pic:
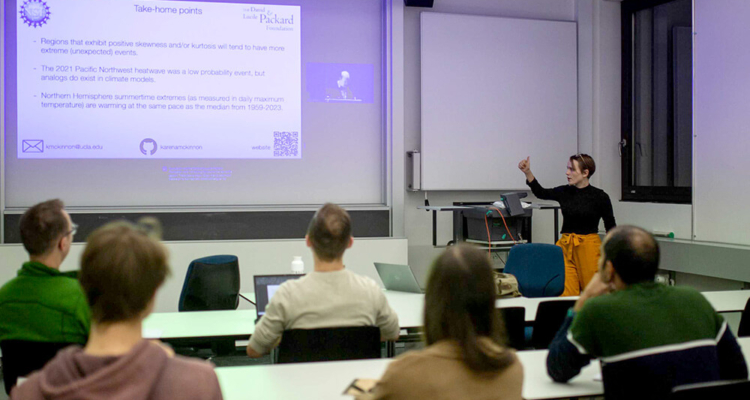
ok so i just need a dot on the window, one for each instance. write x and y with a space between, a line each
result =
657 133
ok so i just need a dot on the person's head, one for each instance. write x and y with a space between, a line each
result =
631 253
344 80
460 306
121 268
580 168
330 233
47 231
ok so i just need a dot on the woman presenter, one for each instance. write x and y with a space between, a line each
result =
582 206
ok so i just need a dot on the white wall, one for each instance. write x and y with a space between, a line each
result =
587 13
255 257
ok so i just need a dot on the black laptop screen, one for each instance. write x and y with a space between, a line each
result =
266 286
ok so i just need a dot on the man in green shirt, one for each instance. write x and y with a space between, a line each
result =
649 337
43 304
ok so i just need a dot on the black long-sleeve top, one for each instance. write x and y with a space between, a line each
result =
581 208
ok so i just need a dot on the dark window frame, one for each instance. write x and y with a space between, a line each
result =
631 192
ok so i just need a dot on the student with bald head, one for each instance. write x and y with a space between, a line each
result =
330 296
648 336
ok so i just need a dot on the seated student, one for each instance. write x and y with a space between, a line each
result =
121 269
330 296
465 357
649 337
43 304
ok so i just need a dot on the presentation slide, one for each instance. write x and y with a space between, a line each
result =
159 80
209 104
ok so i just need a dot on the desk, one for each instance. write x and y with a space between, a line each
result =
729 300
200 325
327 380
240 324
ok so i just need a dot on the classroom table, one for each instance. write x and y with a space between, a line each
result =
728 300
199 326
240 324
327 380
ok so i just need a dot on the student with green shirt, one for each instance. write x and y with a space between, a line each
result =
649 337
43 304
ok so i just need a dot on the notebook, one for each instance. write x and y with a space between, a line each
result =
398 277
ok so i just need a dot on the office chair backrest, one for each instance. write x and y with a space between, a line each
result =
550 316
514 319
725 390
744 329
329 344
539 269
211 283
22 357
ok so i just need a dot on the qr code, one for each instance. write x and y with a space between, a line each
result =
285 144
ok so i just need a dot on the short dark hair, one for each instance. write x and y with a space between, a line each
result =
460 306
633 252
329 232
121 267
584 161
42 225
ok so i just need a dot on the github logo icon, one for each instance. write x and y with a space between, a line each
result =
148 146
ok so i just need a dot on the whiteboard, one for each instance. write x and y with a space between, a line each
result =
494 91
721 209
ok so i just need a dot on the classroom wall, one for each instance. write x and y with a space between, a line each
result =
418 223
256 257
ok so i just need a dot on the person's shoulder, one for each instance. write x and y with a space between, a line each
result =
361 280
191 365
599 192
191 374
688 295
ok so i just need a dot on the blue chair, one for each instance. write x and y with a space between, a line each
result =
211 283
539 269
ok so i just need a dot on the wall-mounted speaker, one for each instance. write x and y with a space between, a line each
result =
419 3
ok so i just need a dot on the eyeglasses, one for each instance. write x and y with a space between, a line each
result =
73 230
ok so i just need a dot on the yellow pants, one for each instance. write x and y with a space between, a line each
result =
581 253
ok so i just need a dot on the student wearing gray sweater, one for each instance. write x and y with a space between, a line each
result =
330 296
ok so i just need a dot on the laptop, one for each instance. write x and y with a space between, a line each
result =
265 287
398 277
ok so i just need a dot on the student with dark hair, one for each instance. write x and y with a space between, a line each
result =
582 207
328 297
122 267
43 304
649 337
465 356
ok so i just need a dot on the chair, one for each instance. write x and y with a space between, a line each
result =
725 390
539 269
211 283
329 344
744 329
514 319
22 357
550 316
